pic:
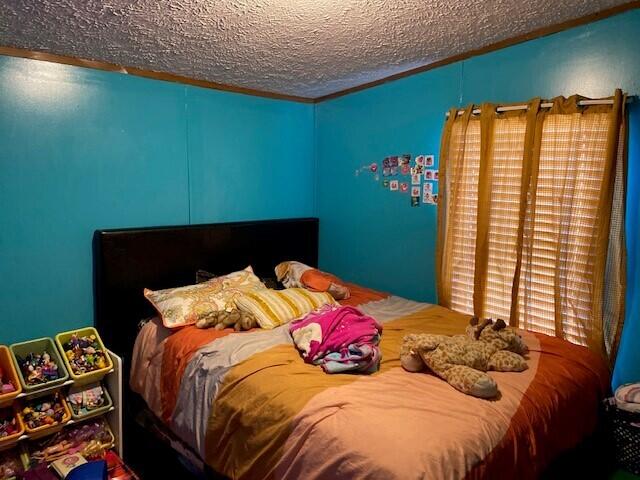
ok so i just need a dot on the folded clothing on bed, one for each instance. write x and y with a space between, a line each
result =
340 339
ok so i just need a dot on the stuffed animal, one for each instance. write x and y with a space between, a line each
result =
463 360
298 275
222 319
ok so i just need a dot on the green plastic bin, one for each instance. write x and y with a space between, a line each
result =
83 378
108 403
39 346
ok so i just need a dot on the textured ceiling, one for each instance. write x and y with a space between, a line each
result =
299 47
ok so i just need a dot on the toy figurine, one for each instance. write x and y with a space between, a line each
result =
38 368
85 354
88 438
43 411
10 465
8 424
84 401
5 384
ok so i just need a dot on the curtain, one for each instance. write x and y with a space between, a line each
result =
531 218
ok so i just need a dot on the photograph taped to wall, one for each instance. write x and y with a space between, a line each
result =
415 191
415 179
430 174
429 160
393 164
420 160
393 185
415 201
427 188
404 187
429 198
405 163
386 167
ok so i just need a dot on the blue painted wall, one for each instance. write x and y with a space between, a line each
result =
373 236
367 233
83 149
628 365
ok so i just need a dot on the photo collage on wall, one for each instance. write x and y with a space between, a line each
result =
418 179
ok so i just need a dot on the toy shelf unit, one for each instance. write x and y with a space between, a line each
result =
113 413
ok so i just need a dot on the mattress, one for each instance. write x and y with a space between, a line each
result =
249 406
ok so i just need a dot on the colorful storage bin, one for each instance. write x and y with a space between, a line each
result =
35 451
34 433
106 406
83 378
8 373
11 440
11 463
39 346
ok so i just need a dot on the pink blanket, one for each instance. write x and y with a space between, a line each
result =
340 339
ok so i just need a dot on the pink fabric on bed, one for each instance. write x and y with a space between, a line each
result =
331 331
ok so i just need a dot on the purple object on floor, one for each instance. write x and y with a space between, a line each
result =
39 472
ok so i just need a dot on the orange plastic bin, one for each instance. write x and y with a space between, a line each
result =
9 372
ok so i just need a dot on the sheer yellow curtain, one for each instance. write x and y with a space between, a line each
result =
531 218
481 176
458 209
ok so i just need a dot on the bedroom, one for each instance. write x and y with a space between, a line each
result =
121 115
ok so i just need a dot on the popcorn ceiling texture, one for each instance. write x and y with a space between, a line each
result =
299 47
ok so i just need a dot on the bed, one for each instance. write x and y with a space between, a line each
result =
247 406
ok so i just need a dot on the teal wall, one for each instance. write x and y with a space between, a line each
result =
83 149
373 236
628 365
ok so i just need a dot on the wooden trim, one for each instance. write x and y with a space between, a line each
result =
541 32
138 72
170 77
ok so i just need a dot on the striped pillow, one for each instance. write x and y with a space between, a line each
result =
277 307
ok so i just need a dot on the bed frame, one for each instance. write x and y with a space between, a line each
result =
128 260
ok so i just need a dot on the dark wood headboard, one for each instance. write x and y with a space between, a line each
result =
126 261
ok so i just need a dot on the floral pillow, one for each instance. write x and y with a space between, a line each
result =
182 306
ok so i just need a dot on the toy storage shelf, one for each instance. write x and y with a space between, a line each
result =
43 391
113 381
72 422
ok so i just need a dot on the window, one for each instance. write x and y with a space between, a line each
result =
530 217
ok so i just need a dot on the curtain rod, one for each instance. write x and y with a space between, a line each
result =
512 108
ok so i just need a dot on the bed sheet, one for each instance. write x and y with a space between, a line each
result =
251 408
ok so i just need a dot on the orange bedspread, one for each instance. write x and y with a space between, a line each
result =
181 345
273 416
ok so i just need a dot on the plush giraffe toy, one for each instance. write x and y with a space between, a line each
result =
463 360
